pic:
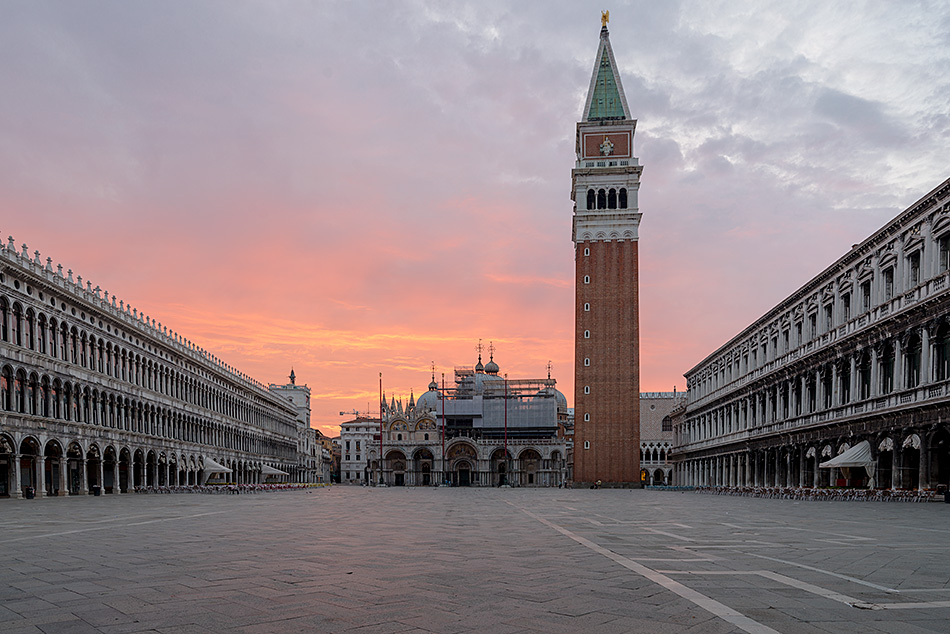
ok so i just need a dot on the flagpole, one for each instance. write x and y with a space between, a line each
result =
380 481
507 462
443 428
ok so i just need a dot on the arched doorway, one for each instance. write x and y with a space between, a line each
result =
6 465
462 475
29 450
909 470
125 459
462 459
138 469
109 463
54 460
93 468
939 450
75 469
422 467
530 462
500 466
885 464
397 468
658 477
151 468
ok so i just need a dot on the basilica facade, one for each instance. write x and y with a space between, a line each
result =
483 430
97 397
846 382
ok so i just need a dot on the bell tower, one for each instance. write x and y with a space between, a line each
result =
606 180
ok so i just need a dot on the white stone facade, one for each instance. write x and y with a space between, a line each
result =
95 394
656 436
860 352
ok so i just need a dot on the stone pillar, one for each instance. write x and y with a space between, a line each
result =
63 483
801 466
898 365
115 477
39 468
100 466
802 395
895 472
925 369
83 477
875 373
835 388
815 473
853 380
16 490
923 478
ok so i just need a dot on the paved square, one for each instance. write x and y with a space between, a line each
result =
352 559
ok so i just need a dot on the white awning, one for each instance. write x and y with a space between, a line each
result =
886 445
857 456
269 470
210 466
912 441
811 452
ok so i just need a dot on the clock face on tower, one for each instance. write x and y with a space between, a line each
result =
607 146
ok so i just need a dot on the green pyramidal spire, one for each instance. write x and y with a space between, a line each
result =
605 99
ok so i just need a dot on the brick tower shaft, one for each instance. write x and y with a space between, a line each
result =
606 181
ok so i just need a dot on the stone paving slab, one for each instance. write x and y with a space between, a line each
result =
453 561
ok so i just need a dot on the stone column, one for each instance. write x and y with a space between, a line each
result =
39 468
16 490
895 472
853 379
115 477
83 477
923 477
801 466
835 388
898 365
63 484
925 370
875 373
815 473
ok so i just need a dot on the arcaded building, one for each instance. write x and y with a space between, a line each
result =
483 429
861 353
656 436
96 395
605 184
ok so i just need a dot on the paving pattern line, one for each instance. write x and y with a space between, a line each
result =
109 526
710 605
816 590
826 572
667 534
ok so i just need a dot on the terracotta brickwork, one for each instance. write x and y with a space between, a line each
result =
607 363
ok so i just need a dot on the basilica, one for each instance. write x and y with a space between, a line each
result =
484 430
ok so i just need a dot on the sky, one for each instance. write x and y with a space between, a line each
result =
348 188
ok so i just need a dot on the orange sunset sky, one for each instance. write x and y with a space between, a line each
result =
352 188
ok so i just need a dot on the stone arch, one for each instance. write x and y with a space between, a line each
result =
422 463
54 467
529 463
395 465
7 468
500 462
29 454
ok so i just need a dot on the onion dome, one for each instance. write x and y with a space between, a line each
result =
479 368
491 367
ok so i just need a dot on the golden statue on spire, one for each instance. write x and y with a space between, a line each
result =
604 18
